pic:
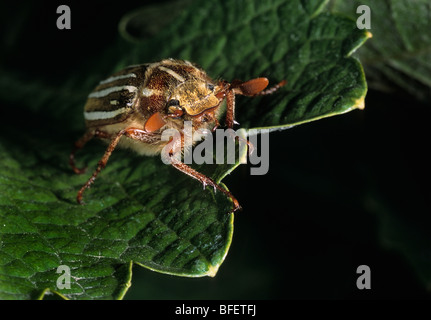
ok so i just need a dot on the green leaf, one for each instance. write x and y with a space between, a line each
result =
139 210
399 55
281 40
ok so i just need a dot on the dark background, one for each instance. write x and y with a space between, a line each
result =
337 194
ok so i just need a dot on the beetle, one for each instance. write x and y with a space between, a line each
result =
132 108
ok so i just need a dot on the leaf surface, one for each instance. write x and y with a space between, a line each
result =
398 58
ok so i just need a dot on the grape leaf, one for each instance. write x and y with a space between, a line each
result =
398 58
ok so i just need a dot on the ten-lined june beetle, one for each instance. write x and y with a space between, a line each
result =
134 106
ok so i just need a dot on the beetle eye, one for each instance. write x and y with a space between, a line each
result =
210 86
174 109
173 102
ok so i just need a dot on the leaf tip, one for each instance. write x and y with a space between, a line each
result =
212 271
360 103
368 34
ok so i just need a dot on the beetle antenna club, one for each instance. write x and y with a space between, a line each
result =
139 102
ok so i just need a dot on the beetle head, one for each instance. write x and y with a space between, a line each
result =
192 98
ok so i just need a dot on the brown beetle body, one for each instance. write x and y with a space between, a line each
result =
134 106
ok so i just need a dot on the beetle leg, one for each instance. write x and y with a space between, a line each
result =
146 137
251 88
230 118
136 134
230 109
77 146
102 162
206 181
216 125
90 134
254 87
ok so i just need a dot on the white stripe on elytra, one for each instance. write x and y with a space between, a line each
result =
102 115
146 92
172 73
107 91
115 78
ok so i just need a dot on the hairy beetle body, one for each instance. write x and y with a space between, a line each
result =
133 107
